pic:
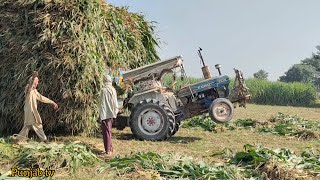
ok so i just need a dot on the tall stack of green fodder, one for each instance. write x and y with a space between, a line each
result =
70 43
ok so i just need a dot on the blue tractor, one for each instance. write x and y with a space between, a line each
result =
155 112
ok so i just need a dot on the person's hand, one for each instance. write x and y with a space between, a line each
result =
55 106
120 111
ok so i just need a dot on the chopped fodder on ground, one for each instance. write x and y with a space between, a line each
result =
288 125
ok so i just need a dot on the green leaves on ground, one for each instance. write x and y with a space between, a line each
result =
170 166
259 157
204 122
289 125
54 156
252 162
281 124
7 151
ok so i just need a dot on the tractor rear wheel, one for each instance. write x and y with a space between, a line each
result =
152 120
221 110
176 128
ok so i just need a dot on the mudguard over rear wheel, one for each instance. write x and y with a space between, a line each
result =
152 120
221 110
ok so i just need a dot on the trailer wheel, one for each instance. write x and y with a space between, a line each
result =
221 110
152 120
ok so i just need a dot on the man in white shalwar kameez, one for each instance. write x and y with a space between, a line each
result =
32 119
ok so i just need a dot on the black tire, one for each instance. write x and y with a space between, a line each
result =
155 113
176 128
221 110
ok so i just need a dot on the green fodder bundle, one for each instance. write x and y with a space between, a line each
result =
55 156
70 43
280 93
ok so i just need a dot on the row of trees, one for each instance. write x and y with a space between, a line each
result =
307 71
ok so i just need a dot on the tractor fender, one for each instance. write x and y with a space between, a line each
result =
147 95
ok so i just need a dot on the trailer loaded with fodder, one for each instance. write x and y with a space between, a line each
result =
70 43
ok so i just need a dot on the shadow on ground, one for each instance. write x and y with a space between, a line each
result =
183 140
174 139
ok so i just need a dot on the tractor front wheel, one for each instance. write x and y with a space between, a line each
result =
221 110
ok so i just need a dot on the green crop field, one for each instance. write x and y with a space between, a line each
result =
278 142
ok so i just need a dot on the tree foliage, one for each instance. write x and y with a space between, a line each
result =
299 73
314 60
261 74
308 71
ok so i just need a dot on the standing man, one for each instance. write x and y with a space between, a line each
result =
32 119
108 112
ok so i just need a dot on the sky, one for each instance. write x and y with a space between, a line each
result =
245 34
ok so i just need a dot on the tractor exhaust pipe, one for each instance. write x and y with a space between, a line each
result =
206 72
218 66
205 69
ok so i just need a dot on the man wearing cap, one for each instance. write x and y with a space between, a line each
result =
108 112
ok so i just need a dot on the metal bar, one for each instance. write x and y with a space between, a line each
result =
188 83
